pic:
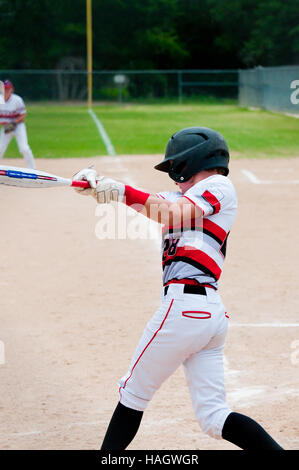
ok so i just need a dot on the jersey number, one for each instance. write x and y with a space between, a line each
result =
170 246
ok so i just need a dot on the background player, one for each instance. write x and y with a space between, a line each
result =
12 116
190 326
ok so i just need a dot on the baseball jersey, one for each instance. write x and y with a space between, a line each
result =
12 109
195 251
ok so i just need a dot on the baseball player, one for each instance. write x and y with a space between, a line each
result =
190 326
12 116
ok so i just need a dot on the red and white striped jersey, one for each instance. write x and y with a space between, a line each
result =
12 109
195 252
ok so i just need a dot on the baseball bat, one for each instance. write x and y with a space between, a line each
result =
27 178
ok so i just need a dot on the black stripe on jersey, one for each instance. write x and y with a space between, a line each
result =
192 228
192 262
224 246
183 228
212 235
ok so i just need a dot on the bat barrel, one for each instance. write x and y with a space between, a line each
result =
29 178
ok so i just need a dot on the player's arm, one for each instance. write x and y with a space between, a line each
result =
160 210
20 111
20 118
170 213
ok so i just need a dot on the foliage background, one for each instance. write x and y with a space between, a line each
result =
149 34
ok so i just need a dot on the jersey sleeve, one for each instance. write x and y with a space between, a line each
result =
210 196
20 106
168 195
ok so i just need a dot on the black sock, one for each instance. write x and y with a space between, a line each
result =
247 434
122 429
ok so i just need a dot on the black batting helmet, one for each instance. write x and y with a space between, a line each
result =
192 150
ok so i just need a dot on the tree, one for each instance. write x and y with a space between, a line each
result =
150 34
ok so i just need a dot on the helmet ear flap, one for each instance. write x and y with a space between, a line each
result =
181 167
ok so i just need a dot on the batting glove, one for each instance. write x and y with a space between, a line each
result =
88 174
108 190
103 189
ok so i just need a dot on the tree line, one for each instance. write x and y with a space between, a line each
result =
149 34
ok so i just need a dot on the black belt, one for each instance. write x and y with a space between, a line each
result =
190 289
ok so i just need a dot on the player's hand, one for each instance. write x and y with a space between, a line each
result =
108 190
103 189
87 174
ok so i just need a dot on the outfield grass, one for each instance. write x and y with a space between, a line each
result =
146 129
60 131
68 131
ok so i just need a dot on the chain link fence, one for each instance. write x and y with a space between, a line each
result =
125 86
272 88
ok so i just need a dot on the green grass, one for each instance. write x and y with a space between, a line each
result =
146 129
68 131
60 131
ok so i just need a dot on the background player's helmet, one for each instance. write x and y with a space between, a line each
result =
8 84
192 150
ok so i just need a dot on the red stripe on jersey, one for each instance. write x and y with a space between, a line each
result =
203 212
9 116
199 256
211 199
189 282
215 229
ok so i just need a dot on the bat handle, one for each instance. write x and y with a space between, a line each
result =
80 184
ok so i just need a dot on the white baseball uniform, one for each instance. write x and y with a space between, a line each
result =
190 326
13 108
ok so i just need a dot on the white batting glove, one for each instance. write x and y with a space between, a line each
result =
108 190
87 174
103 189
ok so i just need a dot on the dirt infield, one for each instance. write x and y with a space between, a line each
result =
73 308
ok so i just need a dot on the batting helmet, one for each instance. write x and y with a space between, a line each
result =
192 150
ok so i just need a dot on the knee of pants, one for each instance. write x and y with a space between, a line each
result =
25 149
132 399
212 421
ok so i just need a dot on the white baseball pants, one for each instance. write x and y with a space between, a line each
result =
187 329
22 141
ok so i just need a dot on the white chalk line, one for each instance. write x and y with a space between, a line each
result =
264 325
296 116
250 176
255 180
108 144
